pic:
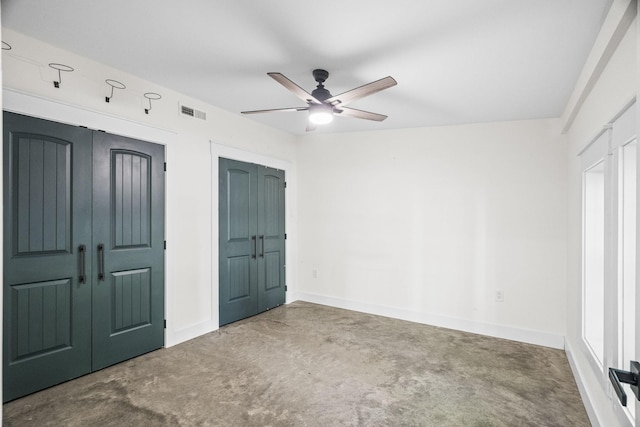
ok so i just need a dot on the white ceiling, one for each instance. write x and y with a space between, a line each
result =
462 61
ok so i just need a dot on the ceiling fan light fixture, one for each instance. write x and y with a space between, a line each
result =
320 114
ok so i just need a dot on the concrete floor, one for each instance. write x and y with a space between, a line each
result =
311 365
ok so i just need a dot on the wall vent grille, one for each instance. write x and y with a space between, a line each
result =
192 112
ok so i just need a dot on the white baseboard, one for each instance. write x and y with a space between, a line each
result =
185 334
584 394
291 297
598 397
193 331
499 331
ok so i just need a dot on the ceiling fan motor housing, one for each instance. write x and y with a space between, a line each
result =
320 75
320 93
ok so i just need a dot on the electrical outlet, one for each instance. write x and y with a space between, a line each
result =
499 295
314 273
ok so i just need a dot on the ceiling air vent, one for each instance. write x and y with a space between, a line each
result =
192 112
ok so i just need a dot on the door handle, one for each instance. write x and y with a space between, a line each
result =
82 255
255 247
101 262
262 246
618 376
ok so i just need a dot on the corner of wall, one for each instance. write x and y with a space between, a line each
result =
615 26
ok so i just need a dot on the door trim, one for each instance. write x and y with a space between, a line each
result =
22 103
224 151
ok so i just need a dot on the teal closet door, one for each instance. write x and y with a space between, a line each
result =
251 239
238 240
83 251
271 238
47 267
128 245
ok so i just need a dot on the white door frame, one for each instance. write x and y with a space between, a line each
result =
621 130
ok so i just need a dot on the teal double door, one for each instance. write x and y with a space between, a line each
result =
251 239
83 251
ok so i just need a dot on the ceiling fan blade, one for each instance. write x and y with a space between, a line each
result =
276 110
362 91
360 114
294 88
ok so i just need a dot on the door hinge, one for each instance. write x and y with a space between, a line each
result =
285 288
165 323
165 244
165 166
285 236
285 184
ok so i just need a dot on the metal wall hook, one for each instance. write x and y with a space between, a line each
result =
114 85
59 67
151 96
6 46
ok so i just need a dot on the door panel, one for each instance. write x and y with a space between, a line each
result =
271 262
42 179
131 199
128 212
251 239
239 271
42 318
47 310
131 296
240 206
237 240
272 265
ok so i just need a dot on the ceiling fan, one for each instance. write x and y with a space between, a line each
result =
322 106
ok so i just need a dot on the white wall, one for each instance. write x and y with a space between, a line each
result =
426 224
615 87
192 288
